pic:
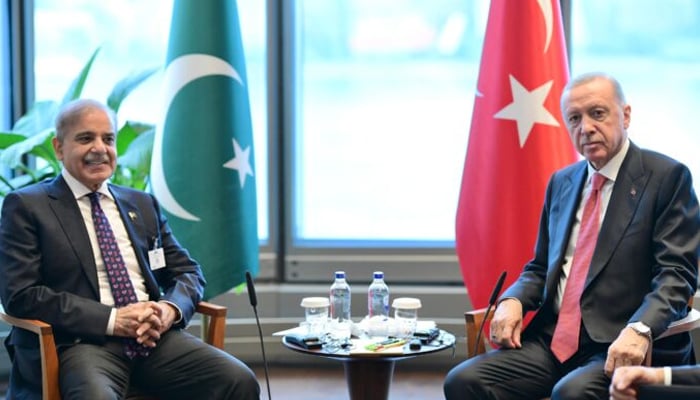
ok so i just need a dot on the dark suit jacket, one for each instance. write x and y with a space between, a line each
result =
47 268
644 267
686 375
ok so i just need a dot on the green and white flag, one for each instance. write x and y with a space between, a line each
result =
202 168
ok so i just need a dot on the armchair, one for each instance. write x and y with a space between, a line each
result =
213 333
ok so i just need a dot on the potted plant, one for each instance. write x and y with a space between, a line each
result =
32 133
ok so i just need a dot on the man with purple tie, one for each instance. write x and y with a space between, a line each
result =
100 264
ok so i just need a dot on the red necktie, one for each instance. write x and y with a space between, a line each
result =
566 334
119 281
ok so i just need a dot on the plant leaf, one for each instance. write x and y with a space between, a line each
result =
9 138
138 155
38 145
40 117
125 86
128 133
76 87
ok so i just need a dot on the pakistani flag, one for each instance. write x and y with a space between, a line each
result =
202 169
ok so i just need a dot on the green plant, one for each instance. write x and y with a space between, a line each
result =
27 148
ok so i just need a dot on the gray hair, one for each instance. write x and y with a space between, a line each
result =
592 76
71 112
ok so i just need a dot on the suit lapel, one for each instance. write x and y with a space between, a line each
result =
564 216
66 210
627 192
134 222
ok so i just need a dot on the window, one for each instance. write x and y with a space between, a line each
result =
384 90
655 54
385 93
5 80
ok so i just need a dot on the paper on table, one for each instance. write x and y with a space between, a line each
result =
420 325
360 344
691 321
296 330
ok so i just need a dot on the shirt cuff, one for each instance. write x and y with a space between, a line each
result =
112 321
667 376
178 311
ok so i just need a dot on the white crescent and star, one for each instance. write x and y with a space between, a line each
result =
528 107
179 73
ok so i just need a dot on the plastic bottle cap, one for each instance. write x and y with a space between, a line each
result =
315 302
406 303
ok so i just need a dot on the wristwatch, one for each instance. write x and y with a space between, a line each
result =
641 329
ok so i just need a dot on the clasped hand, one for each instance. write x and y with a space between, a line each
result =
145 321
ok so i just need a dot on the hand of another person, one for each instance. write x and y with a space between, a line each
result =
629 348
507 323
626 379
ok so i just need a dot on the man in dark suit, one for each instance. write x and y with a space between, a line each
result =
645 383
641 272
53 268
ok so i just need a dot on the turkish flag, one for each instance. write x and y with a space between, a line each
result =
517 139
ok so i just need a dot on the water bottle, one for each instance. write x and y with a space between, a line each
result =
340 298
378 296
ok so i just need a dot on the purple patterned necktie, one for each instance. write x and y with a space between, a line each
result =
119 281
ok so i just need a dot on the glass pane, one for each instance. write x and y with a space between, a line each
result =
133 35
655 53
385 93
5 84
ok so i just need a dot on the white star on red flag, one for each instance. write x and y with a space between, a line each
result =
527 108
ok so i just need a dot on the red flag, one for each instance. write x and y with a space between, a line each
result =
517 139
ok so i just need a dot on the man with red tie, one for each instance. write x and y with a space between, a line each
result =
615 263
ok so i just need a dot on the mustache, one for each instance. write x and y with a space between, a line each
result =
96 158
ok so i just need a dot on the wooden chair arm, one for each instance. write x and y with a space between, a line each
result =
49 356
215 330
474 319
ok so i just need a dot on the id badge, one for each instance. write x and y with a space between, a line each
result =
156 258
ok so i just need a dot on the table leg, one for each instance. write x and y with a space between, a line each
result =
369 379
